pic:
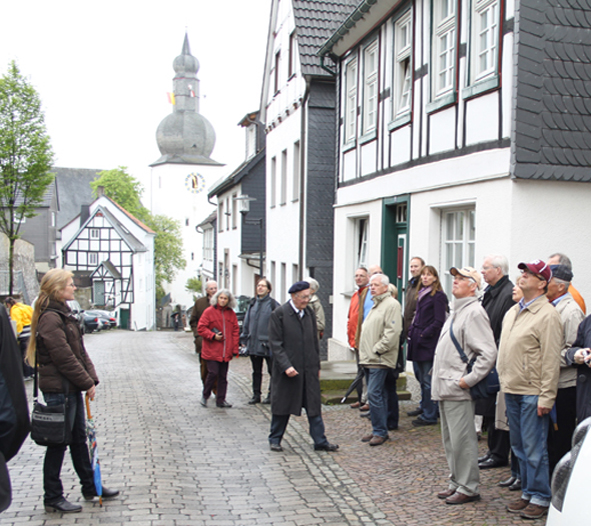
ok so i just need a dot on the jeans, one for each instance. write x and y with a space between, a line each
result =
257 373
422 373
378 404
54 455
216 371
392 399
529 435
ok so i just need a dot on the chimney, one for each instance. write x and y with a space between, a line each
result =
84 213
100 191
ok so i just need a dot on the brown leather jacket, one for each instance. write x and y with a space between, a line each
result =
198 309
61 353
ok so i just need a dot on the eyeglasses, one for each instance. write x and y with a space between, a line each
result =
525 273
303 297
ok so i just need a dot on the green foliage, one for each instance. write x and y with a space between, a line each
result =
25 155
194 285
122 188
126 191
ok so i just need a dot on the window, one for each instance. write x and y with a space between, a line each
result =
187 221
52 218
294 273
402 65
283 196
361 230
251 138
485 39
293 57
351 101
234 211
296 171
284 285
93 258
94 233
273 273
273 186
220 216
276 72
370 88
459 234
444 46
228 213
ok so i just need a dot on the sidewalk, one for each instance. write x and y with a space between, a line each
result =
179 464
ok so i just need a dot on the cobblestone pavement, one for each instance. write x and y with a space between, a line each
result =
179 464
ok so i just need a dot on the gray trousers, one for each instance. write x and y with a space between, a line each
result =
460 444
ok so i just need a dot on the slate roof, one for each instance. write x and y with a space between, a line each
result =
73 190
552 126
236 176
315 22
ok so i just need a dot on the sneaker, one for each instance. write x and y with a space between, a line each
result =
517 506
534 511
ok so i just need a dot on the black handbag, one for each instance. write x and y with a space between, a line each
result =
489 385
49 424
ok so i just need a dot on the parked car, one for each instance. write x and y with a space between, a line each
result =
91 323
77 312
107 315
570 481
241 308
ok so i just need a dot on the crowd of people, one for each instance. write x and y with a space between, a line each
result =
534 332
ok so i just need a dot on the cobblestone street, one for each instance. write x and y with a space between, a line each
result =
177 463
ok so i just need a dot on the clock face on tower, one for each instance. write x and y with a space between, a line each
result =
195 183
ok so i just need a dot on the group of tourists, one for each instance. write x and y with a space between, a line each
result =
536 334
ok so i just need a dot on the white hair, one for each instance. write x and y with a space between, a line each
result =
231 299
499 261
384 280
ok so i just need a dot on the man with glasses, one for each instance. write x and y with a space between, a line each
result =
528 365
293 338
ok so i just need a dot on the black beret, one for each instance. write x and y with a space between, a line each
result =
562 272
298 286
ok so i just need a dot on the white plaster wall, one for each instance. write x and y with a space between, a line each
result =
400 146
349 169
368 157
482 119
440 123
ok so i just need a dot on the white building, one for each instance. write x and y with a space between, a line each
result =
463 131
116 252
181 176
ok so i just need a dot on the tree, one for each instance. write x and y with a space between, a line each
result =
194 285
126 191
25 156
122 188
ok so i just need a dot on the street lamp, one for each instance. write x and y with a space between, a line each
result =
244 208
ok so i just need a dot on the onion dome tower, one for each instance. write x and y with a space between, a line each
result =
185 136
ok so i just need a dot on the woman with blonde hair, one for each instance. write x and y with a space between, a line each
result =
65 370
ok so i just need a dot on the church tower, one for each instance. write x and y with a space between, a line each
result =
183 173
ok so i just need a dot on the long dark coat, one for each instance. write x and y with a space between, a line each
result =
424 331
497 300
294 343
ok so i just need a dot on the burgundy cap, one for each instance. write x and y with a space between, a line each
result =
537 267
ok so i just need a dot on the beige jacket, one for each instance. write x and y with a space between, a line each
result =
380 334
529 352
571 315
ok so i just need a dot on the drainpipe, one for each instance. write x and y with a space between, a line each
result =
304 171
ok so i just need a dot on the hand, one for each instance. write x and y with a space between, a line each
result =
543 410
218 337
91 392
291 372
463 384
580 356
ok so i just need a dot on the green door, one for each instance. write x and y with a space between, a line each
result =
124 318
395 242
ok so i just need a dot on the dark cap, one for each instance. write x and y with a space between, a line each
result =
562 272
537 267
298 286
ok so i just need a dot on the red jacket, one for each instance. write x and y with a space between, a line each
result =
225 321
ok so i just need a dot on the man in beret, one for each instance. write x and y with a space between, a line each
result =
529 365
560 436
295 382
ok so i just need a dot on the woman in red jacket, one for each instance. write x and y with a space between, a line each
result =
218 326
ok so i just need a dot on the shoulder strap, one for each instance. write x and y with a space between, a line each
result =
459 347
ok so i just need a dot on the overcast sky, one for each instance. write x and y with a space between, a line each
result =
103 70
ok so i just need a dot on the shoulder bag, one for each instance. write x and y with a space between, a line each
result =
489 385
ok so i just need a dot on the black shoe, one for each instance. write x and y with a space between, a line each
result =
254 400
224 404
275 447
327 447
419 422
393 428
484 457
416 412
267 400
491 463
506 483
63 506
204 401
106 494
365 415
516 486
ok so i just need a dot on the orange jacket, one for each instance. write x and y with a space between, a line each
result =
353 316
578 298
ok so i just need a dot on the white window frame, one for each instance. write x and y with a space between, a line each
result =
351 80
402 66
92 258
458 241
369 112
220 215
444 51
485 39
296 172
273 185
95 233
361 245
234 211
283 183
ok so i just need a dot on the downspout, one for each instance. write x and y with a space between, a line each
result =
304 171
